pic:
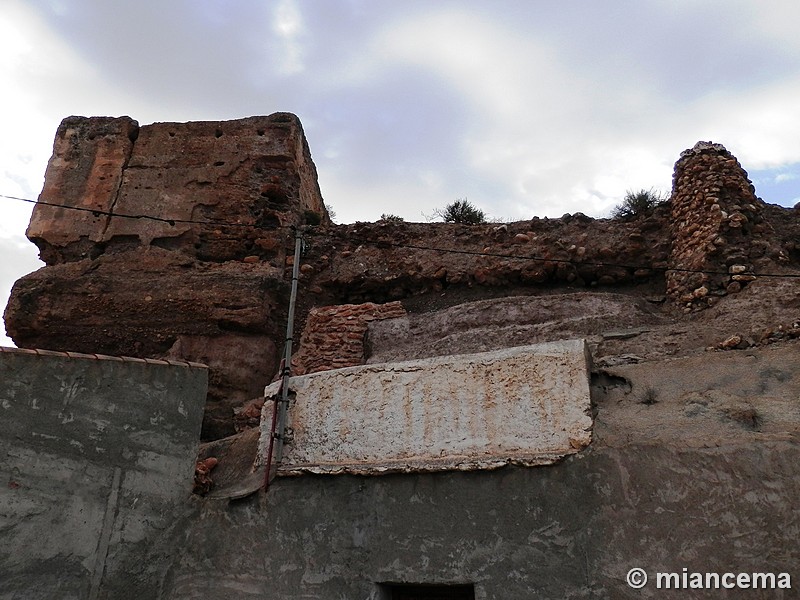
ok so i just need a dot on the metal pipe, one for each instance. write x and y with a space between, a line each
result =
273 427
287 356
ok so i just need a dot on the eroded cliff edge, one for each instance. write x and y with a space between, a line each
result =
207 279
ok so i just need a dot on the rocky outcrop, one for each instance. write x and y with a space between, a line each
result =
243 179
206 278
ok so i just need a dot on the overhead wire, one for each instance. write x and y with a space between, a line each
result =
386 243
169 221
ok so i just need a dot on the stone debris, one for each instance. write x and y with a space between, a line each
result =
768 336
248 415
734 341
202 475
781 332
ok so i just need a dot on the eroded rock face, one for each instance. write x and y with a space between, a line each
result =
210 280
255 173
489 325
212 289
85 171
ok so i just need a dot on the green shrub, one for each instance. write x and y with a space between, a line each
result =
312 218
391 218
637 203
461 211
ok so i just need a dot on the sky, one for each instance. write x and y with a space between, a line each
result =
524 107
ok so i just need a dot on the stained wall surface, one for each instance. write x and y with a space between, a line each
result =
528 405
693 464
96 457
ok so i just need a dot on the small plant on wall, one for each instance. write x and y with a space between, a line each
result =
637 203
461 211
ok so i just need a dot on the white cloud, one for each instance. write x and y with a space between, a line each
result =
287 23
418 194
764 125
551 134
26 128
525 108
775 20
499 72
564 136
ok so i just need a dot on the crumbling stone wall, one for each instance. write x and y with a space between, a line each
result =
334 336
209 282
715 214
385 261
254 173
206 281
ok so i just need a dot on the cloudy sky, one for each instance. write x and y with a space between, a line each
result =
525 107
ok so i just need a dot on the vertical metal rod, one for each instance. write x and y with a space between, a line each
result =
273 428
287 356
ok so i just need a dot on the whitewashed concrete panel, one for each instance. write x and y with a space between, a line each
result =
528 405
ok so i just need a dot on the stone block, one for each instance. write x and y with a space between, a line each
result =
528 405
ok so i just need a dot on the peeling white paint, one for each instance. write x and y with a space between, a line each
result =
528 406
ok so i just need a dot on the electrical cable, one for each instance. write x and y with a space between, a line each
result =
386 243
97 212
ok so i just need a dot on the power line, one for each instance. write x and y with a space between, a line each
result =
408 246
97 212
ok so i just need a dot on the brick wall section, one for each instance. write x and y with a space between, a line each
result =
333 336
715 213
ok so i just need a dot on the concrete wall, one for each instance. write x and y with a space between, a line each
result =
96 460
693 464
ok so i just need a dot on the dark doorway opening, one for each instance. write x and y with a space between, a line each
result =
409 591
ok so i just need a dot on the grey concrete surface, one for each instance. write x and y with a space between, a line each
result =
693 464
96 457
668 483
